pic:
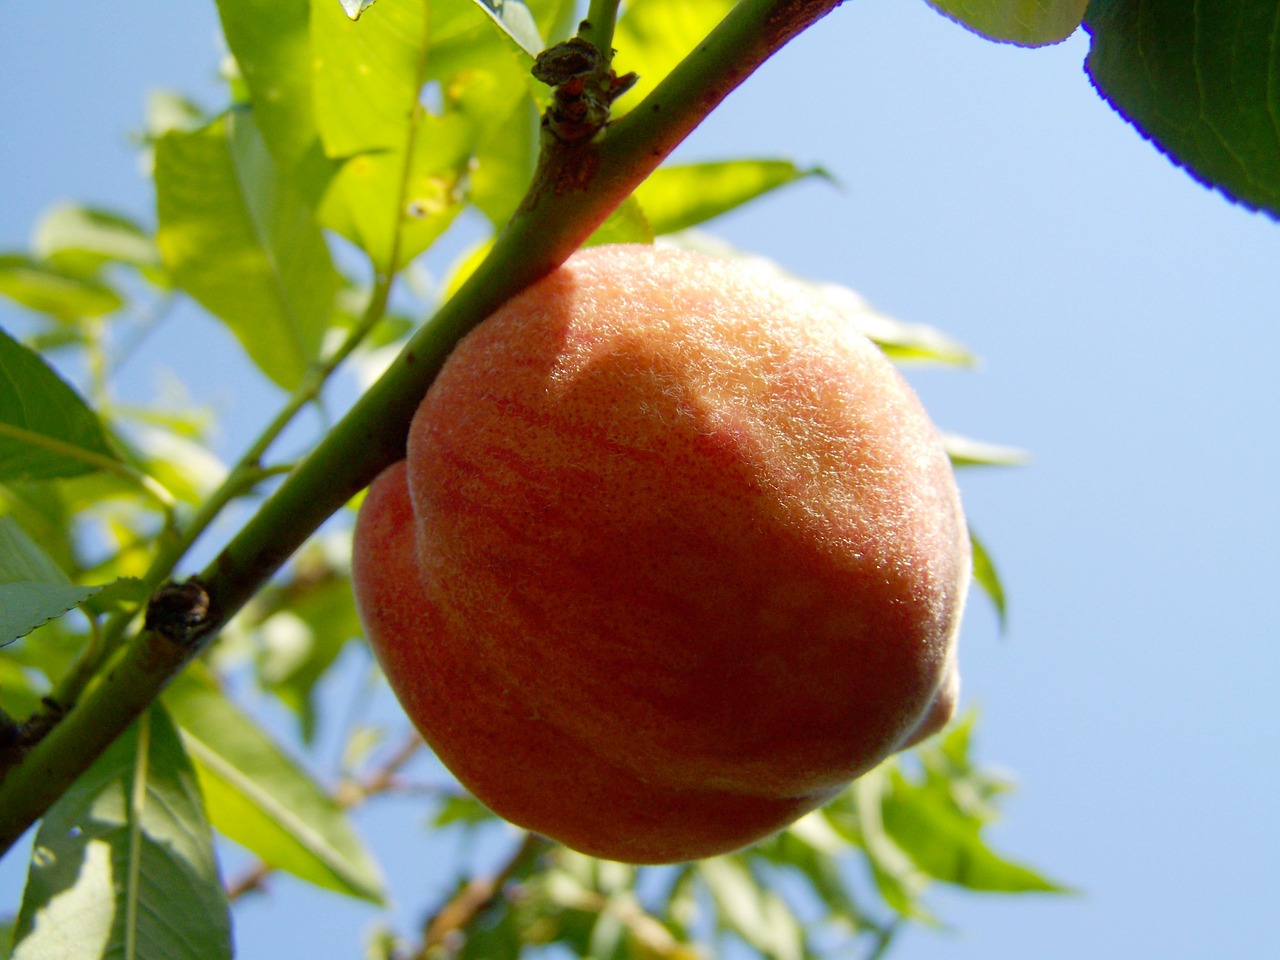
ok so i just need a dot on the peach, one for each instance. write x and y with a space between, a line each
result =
674 555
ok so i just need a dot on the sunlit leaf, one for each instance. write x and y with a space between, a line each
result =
515 20
652 36
83 238
505 118
967 452
354 8
271 41
1028 23
264 801
987 577
61 293
46 430
681 196
244 245
402 168
937 836
1198 80
627 224
123 863
366 75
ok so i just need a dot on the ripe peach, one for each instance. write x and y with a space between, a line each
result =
674 555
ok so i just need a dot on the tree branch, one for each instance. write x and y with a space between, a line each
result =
575 189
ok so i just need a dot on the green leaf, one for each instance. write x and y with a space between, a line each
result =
82 239
987 577
1199 81
967 452
61 293
652 36
366 75
505 118
947 844
400 183
261 799
1028 23
354 8
627 224
515 20
244 245
677 197
123 863
46 430
271 41
25 606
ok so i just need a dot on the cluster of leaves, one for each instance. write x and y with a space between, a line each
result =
372 137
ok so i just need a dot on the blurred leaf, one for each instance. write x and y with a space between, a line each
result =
627 224
940 839
45 428
751 910
57 291
244 245
303 639
515 20
681 196
25 606
123 864
262 800
82 239
967 452
505 118
271 41
354 8
170 112
1199 81
652 36
1028 23
462 808
987 577
19 692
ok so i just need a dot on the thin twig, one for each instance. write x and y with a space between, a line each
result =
448 924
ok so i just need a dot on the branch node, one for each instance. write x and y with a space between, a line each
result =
178 610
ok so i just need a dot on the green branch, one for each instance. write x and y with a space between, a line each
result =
576 187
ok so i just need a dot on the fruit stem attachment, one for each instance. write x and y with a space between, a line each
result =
575 189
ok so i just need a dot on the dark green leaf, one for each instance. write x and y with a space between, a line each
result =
987 577
1199 80
123 864
261 799
1029 23
81 239
244 245
59 292
652 36
677 197
45 428
941 840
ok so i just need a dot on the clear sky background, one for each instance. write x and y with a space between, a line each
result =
1127 320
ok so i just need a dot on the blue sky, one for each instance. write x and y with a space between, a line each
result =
1126 318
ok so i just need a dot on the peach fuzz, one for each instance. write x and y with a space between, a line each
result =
674 555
